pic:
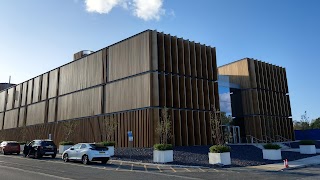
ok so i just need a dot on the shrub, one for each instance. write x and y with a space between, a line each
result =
163 147
65 143
108 143
271 146
307 142
219 149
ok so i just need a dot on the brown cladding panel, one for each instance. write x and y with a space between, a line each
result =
189 93
168 59
128 94
177 128
204 62
169 91
198 60
44 86
24 93
191 128
51 110
175 86
1 120
10 99
187 57
53 83
174 55
2 100
184 127
22 116
197 128
209 63
29 94
11 119
162 90
132 56
36 113
181 60
17 96
36 89
80 104
193 59
182 92
80 74
161 55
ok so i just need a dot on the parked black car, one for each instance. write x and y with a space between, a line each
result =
39 148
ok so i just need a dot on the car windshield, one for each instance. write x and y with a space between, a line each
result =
99 147
47 143
12 144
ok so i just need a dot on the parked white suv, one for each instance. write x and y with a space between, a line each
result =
86 152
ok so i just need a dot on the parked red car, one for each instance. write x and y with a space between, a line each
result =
10 147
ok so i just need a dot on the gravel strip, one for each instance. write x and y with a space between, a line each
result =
241 155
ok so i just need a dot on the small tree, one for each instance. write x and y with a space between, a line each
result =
215 125
315 124
303 124
69 127
164 127
110 125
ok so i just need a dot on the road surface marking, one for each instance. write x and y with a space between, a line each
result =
159 168
131 167
187 169
119 166
173 169
202 170
145 167
38 173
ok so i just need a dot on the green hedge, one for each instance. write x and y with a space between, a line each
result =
271 146
108 143
219 149
163 147
65 143
307 142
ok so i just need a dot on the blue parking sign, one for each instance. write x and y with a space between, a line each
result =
130 136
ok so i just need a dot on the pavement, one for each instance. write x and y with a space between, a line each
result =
310 161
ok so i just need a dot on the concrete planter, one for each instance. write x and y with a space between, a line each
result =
272 154
22 147
111 150
308 149
220 158
163 156
62 148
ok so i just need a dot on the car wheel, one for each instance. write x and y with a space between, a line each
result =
37 155
4 153
85 159
53 156
66 158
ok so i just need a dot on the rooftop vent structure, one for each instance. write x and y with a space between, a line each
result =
81 54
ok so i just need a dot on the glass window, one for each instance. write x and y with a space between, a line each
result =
83 146
77 146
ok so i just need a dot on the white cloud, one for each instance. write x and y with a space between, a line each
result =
148 9
101 6
143 9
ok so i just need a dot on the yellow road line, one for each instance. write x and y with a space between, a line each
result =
173 169
187 169
145 167
202 170
131 167
159 169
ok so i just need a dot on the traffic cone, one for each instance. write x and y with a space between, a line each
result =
285 163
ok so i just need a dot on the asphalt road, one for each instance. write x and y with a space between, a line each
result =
18 167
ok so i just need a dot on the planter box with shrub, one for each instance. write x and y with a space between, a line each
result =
163 153
272 152
64 145
22 145
307 147
110 145
219 154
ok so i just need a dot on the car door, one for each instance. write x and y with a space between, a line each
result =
83 150
72 153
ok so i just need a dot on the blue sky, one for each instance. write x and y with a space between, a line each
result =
37 36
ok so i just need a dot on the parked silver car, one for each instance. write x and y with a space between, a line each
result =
86 152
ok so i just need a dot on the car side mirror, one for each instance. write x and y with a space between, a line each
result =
71 148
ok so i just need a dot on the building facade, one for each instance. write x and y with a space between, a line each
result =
130 81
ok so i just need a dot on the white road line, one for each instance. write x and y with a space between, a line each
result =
119 166
131 167
202 170
38 173
145 167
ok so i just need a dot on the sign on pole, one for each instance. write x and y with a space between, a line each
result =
130 136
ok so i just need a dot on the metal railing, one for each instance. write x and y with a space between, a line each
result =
284 140
253 139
